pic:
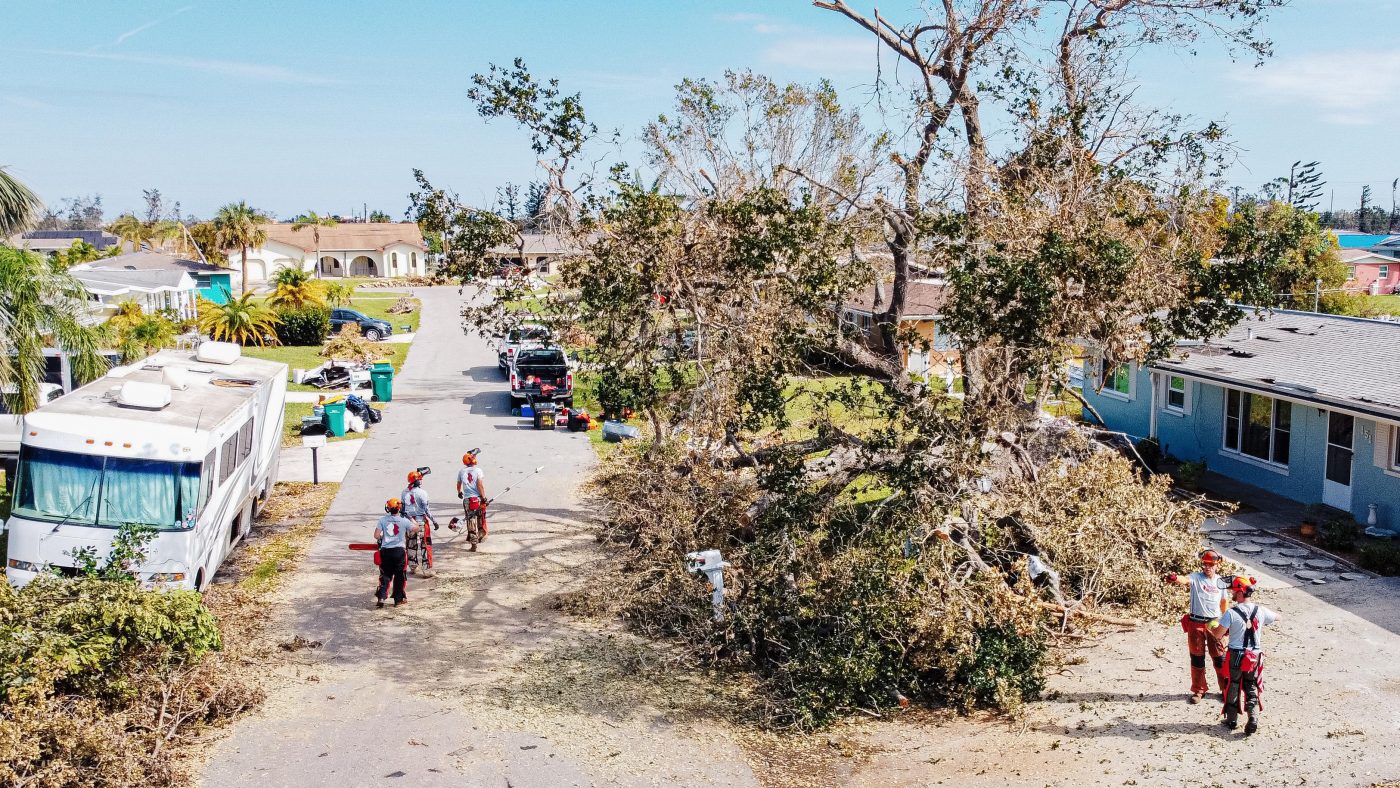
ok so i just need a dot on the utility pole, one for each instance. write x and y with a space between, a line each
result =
1317 295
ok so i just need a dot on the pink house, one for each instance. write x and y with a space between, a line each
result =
1370 272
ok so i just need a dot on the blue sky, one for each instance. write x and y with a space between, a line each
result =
327 106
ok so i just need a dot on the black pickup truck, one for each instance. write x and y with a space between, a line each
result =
542 373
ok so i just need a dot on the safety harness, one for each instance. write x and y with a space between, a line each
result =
1251 660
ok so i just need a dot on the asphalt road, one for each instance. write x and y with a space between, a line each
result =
455 688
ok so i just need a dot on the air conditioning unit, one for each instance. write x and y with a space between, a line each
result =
218 352
147 396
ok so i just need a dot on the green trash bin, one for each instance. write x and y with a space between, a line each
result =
335 418
381 378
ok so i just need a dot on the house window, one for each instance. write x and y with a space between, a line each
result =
865 324
1351 273
394 260
1176 393
1258 426
1383 272
1117 378
413 260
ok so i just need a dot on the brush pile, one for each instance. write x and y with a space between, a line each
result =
863 602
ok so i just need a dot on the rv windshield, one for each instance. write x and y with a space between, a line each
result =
83 489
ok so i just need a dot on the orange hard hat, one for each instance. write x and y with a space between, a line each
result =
414 476
469 459
1210 557
1242 584
392 505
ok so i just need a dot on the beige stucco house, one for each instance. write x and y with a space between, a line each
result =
373 249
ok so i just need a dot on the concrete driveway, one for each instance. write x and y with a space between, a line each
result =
459 687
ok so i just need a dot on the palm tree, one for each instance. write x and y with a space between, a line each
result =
19 207
296 289
41 305
315 221
240 320
138 335
238 224
340 294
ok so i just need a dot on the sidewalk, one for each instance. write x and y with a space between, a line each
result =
333 461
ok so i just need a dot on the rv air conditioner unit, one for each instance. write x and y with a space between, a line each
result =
218 352
149 396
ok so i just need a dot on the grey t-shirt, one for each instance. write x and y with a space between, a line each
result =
393 530
415 502
1205 594
1237 620
470 479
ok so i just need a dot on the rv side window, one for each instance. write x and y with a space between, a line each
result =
245 441
206 480
228 458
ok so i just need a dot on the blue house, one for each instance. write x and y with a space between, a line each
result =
1303 405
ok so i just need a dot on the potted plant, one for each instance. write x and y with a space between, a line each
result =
1312 515
1189 473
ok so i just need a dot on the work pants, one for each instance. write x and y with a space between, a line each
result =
1249 681
1199 640
392 569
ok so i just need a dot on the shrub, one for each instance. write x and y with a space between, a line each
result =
1383 558
1189 473
308 325
1150 452
1338 534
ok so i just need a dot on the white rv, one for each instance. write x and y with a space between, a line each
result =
183 441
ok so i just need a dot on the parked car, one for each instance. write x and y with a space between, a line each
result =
527 335
373 329
541 373
12 424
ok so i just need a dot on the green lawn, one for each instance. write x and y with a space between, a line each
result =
1384 304
376 303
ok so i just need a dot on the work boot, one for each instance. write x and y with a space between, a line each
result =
379 603
1231 723
1251 726
1194 699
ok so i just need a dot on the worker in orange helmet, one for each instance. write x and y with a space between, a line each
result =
1207 603
1241 624
472 490
391 533
417 507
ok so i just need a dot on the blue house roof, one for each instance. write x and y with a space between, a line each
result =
1358 241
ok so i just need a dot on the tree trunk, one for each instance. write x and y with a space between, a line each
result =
245 270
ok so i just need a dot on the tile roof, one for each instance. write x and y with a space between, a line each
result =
538 243
1337 362
923 299
347 236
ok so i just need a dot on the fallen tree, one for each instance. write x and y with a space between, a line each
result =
887 539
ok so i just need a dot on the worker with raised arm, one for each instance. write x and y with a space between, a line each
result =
1242 623
391 533
470 485
1207 603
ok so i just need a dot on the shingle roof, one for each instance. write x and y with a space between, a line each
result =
922 299
1353 256
149 261
113 282
1337 362
347 237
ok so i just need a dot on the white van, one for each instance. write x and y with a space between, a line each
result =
186 442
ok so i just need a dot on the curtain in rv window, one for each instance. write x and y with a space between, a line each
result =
149 492
91 490
58 485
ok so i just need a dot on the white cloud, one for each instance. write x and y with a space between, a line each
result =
227 68
825 54
1346 88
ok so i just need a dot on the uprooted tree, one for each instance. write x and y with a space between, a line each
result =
886 539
